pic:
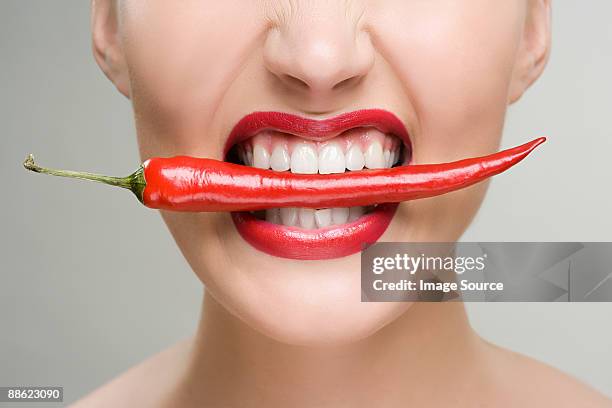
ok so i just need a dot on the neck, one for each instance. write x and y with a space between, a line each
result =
405 362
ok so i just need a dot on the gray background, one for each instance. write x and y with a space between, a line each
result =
92 283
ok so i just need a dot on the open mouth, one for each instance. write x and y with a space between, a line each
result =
352 142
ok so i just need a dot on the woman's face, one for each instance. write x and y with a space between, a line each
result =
445 68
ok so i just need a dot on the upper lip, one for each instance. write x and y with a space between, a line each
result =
316 129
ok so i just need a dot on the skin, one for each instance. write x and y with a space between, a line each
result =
278 332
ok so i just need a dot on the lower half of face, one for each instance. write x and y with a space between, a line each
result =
441 69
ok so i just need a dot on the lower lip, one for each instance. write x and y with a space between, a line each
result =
326 243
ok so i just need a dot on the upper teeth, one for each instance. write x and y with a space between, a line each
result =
261 157
375 156
372 150
304 159
279 161
331 159
354 158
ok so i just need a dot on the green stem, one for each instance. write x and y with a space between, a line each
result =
135 182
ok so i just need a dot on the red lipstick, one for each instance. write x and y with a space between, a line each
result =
316 130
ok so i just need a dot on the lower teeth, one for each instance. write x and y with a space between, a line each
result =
308 218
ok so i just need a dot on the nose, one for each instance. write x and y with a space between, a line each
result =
319 53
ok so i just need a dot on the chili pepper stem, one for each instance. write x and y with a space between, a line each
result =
135 182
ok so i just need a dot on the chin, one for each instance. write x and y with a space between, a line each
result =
329 317
341 325
297 302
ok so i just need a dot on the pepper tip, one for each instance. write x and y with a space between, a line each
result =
536 142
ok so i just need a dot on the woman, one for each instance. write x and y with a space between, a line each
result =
282 323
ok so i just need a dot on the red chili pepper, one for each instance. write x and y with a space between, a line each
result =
204 185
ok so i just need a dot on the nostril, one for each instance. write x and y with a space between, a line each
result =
348 82
294 82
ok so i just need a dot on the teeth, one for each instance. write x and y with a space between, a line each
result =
261 157
280 161
304 159
323 217
340 215
310 219
355 213
248 157
245 156
374 156
289 216
354 159
387 156
331 159
273 215
334 156
307 218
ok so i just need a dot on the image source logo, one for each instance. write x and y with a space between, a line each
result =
487 272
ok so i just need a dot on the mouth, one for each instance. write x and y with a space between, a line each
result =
351 142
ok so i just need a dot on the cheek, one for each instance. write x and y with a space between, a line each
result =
181 61
455 60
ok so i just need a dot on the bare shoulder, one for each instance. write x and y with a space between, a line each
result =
527 382
147 384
